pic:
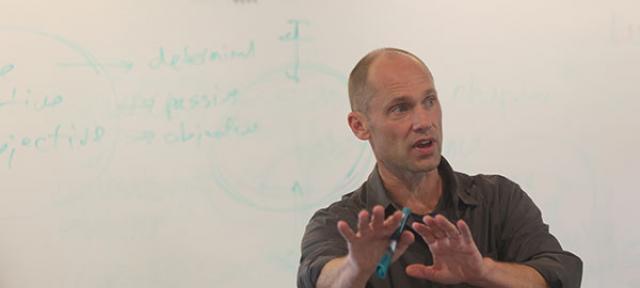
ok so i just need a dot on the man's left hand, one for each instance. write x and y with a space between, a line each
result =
456 258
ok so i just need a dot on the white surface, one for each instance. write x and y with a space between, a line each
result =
218 191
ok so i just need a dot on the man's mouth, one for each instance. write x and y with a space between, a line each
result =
423 143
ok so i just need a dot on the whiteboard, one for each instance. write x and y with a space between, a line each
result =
187 143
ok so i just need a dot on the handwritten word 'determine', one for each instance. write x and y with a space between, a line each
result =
61 136
188 57
195 134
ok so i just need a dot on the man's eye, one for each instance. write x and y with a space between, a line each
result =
430 101
399 107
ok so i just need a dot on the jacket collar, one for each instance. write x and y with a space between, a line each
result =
455 192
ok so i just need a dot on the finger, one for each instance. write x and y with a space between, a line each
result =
435 228
363 223
392 222
346 232
425 232
406 238
465 232
449 229
377 218
420 271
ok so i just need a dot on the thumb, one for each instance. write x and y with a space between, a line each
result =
420 271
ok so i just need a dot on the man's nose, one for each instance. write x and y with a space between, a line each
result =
421 121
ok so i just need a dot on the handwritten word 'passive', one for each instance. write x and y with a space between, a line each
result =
61 137
188 57
178 104
26 98
184 134
198 101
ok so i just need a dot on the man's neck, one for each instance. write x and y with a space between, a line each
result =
418 191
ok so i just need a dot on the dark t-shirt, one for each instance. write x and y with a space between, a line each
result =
505 223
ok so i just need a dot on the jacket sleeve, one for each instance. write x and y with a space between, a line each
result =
526 240
321 243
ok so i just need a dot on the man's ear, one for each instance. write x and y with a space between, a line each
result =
359 125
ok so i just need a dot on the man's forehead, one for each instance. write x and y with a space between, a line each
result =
396 82
393 68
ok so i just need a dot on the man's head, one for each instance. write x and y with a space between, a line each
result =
360 91
395 107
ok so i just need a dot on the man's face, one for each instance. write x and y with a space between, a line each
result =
404 120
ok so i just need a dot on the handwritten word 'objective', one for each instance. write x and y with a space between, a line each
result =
184 134
4 70
197 57
60 137
27 99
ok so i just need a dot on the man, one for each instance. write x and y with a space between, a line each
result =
464 231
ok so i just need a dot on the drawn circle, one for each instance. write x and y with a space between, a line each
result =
302 152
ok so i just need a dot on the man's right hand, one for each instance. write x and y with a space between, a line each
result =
371 241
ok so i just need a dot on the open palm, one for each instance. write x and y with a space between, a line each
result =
456 258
